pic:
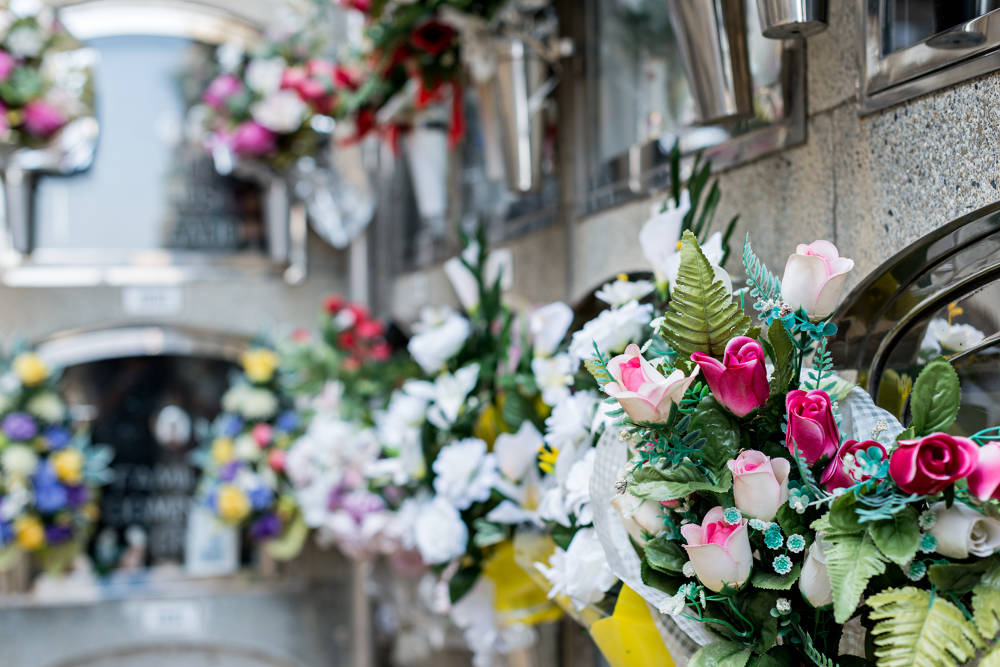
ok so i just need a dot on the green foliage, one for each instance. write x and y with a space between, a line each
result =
702 315
562 535
486 533
992 657
772 581
290 544
851 560
814 654
935 399
783 357
820 376
765 287
598 366
917 628
959 577
665 554
898 537
721 433
843 514
659 483
986 604
463 581
721 654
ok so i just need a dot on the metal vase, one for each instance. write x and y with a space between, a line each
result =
712 36
782 19
521 88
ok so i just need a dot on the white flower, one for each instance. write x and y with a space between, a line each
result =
25 8
47 406
25 41
14 500
464 472
578 488
621 291
548 326
942 336
814 582
640 517
328 401
569 424
962 532
475 614
447 394
439 532
499 265
554 377
438 337
516 453
675 604
258 403
280 112
263 75
229 55
19 461
660 236
581 572
713 251
612 330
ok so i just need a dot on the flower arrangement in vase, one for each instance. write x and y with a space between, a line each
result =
50 474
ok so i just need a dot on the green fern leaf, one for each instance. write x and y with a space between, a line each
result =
992 657
765 287
986 604
851 560
702 315
915 627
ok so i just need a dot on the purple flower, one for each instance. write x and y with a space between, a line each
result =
261 498
231 426
266 527
228 472
50 497
57 533
42 119
77 495
287 421
220 90
362 503
6 65
19 426
253 139
57 437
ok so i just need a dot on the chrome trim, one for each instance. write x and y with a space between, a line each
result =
939 61
90 19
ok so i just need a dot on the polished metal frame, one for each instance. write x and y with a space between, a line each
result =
923 67
645 168
287 231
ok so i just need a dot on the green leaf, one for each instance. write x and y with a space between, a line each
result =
914 628
58 559
851 560
659 580
664 554
652 482
289 545
721 654
779 656
843 514
720 430
791 522
702 315
486 533
772 581
784 351
463 581
935 399
986 604
898 537
992 657
562 535
765 287
959 577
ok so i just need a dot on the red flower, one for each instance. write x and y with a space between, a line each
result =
333 303
369 328
300 335
433 37
347 340
360 312
381 352
346 77
360 5
292 78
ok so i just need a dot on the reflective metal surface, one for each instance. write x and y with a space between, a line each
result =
713 45
782 19
891 76
522 89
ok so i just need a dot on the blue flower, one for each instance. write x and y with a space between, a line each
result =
6 532
772 537
231 425
287 421
782 564
796 543
917 570
266 527
732 516
57 437
261 498
19 426
928 543
50 497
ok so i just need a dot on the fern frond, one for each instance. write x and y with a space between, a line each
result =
916 627
992 657
812 652
765 287
598 366
986 604
851 560
819 376
702 315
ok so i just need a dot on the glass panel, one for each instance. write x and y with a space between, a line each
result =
907 22
147 189
643 93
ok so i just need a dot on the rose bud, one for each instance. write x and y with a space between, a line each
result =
814 277
961 531
931 464
811 426
814 582
641 390
760 484
720 552
639 516
836 476
984 480
739 381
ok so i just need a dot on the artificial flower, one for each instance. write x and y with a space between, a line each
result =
447 394
660 236
47 406
19 426
739 381
252 139
642 518
814 580
569 424
263 75
984 480
581 571
29 532
281 112
18 461
7 64
554 377
41 118
641 390
931 464
499 266
222 450
622 290
962 531
30 369
814 277
439 532
221 89
259 364
611 331
516 452
68 465
760 483
464 472
812 430
25 41
548 326
438 337
943 336
841 472
232 504
719 551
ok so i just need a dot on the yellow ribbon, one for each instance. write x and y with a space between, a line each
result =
518 598
629 638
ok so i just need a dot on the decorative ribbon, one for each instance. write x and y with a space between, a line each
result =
629 638
518 599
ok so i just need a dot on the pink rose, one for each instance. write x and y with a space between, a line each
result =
814 277
220 90
42 119
719 552
6 65
760 483
276 459
263 434
811 426
984 480
930 464
253 139
835 476
641 390
739 381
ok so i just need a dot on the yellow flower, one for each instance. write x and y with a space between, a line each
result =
222 450
30 368
547 456
232 504
68 464
30 533
91 512
259 364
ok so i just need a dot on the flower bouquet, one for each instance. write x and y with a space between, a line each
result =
244 482
776 513
50 474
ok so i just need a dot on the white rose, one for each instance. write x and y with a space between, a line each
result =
263 75
548 326
229 55
516 452
578 495
25 41
19 461
814 582
281 112
47 406
621 291
438 337
447 394
439 532
581 572
499 265
465 472
638 515
961 531
814 277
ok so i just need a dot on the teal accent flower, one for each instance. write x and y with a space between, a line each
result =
732 516
928 543
772 537
917 570
758 524
798 499
796 543
783 605
782 564
927 519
